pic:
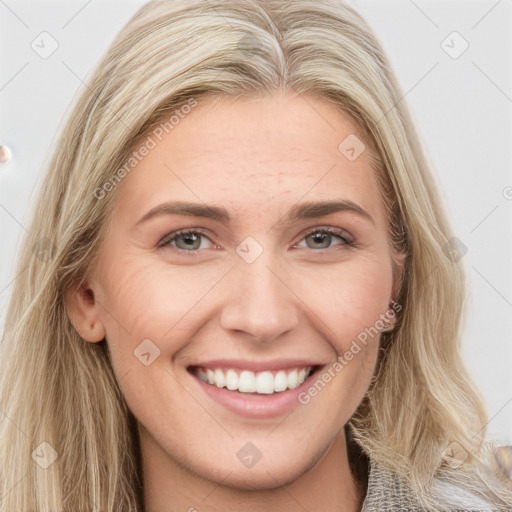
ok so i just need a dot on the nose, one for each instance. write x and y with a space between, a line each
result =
261 301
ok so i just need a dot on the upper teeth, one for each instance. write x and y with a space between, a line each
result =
246 381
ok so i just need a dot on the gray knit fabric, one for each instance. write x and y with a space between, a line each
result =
387 492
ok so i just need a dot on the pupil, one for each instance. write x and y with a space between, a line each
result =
320 237
189 239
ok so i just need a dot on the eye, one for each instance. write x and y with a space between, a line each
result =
186 239
321 238
190 240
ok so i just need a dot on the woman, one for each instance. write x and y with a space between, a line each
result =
179 341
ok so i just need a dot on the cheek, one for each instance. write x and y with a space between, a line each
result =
349 299
149 297
144 299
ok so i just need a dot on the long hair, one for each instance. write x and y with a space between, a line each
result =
68 439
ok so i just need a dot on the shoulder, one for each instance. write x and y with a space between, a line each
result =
388 492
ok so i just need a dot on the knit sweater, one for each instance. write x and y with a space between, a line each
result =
388 492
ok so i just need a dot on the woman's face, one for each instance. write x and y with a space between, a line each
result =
260 291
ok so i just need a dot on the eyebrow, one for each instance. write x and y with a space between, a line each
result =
307 210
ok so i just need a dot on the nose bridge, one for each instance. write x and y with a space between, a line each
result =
260 302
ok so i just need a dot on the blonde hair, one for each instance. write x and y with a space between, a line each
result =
57 388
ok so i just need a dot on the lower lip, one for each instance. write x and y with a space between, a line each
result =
256 405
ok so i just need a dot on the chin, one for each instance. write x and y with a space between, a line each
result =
267 473
266 477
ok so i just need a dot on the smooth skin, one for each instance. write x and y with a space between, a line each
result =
196 299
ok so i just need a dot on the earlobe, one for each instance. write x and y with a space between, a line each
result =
83 312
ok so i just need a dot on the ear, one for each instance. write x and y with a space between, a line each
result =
83 311
398 273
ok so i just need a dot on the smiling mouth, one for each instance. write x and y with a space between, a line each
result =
248 382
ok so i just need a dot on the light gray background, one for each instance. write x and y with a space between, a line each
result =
462 107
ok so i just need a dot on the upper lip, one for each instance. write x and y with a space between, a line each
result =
257 366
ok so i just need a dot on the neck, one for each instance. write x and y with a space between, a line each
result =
328 486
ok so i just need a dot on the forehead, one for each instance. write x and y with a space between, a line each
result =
252 153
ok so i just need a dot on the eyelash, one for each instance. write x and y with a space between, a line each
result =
342 235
